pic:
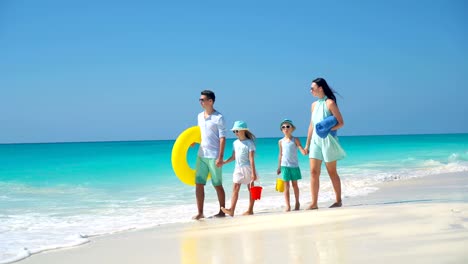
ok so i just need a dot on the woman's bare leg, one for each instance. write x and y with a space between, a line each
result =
315 165
336 181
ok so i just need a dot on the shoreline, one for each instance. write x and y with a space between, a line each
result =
431 210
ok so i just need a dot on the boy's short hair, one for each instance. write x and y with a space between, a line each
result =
209 94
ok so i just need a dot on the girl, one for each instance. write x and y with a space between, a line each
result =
288 163
244 171
326 149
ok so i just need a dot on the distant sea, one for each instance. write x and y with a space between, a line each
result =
58 195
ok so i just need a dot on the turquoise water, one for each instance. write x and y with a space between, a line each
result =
57 195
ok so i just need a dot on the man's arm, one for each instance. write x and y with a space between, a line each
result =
222 145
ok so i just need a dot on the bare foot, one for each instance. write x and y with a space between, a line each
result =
247 213
288 208
227 211
218 215
297 206
198 217
312 207
337 204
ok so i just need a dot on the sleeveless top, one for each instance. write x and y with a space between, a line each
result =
289 153
330 147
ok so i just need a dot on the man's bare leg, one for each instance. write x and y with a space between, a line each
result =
221 199
200 194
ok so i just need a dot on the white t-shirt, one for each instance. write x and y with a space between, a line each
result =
212 129
242 150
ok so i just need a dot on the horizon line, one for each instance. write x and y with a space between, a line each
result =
147 140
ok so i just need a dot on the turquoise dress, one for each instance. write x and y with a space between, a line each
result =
327 149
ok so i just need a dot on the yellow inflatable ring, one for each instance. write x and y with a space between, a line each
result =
179 154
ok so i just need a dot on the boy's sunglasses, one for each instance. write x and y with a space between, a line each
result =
287 126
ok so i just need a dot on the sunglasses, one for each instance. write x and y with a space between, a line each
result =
203 99
287 126
314 88
235 131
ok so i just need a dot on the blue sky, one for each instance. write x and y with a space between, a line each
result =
133 70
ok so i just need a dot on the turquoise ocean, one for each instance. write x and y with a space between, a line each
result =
58 195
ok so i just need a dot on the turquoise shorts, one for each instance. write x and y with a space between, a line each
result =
291 173
205 166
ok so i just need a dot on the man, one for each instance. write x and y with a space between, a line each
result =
211 152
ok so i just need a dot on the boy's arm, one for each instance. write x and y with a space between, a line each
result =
299 146
278 170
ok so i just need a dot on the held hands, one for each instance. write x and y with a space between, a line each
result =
219 163
306 151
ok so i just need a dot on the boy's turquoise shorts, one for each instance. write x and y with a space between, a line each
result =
205 166
291 173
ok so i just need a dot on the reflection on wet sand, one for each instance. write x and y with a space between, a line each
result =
250 243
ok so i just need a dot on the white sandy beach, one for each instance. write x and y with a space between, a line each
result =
423 220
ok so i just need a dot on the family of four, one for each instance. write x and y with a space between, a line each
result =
319 146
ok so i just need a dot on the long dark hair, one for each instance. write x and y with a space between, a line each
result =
326 89
250 136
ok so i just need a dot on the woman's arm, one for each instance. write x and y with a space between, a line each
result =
310 130
336 113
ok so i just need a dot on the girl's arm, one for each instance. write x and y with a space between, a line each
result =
311 129
299 146
336 113
233 157
278 171
252 165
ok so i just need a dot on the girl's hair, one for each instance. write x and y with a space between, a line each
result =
326 89
250 136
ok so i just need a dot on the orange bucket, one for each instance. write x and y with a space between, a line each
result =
256 192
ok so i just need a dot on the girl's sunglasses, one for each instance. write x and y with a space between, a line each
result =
287 126
235 131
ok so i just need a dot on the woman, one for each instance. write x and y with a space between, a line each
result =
326 149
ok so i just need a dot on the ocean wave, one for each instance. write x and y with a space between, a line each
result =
457 157
23 234
30 189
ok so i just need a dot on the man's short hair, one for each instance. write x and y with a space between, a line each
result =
209 94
